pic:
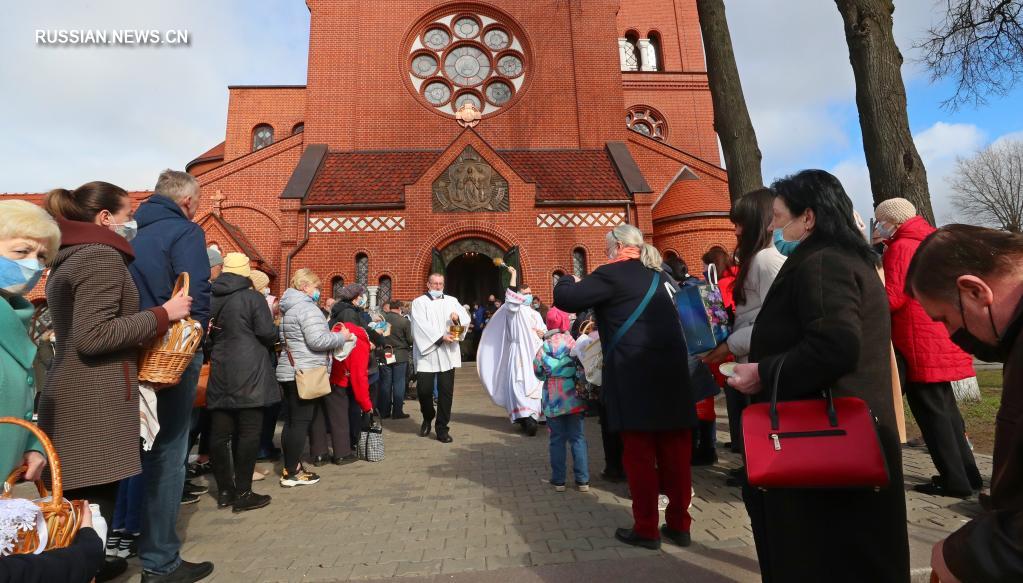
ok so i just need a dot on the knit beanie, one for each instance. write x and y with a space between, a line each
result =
259 279
894 211
351 291
214 256
238 264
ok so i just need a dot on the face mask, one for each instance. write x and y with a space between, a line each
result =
361 302
316 295
784 246
436 294
127 230
266 291
527 299
885 230
19 276
970 344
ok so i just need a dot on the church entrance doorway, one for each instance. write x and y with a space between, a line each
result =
469 270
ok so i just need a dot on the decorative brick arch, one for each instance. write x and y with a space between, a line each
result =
272 218
472 229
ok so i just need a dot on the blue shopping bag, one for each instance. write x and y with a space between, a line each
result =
705 320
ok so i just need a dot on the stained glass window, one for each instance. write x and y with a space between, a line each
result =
467 27
497 39
579 262
437 93
384 290
424 65
262 137
362 269
455 53
336 285
437 38
646 121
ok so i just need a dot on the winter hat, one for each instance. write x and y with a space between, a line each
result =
351 291
214 256
259 279
895 211
238 264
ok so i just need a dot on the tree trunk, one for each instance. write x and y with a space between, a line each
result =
731 118
892 159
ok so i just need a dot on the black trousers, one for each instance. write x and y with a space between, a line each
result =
332 411
105 495
233 463
735 403
613 448
936 412
296 426
445 396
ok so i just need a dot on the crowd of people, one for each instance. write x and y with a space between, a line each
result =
814 303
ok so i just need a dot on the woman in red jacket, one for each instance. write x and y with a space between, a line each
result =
933 362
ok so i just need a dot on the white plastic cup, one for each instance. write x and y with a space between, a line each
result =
99 524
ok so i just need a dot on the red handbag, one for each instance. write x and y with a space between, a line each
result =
813 443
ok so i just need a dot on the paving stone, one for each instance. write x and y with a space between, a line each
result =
460 565
520 560
551 558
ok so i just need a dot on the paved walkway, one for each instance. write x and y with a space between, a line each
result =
478 510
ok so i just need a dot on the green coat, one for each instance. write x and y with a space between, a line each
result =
17 381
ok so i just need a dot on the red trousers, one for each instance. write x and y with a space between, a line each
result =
658 462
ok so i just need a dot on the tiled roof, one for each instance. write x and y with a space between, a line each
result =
367 177
686 196
213 154
568 175
380 177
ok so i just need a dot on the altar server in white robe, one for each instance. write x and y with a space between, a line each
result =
436 353
505 356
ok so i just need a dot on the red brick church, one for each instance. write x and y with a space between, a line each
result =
590 114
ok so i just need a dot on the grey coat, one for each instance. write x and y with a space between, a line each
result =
308 338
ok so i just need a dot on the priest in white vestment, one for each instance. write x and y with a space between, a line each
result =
436 353
505 356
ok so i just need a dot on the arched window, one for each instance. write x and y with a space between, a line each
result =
362 269
579 262
299 128
656 55
631 60
337 283
262 136
558 274
384 289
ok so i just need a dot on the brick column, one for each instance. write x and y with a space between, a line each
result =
644 220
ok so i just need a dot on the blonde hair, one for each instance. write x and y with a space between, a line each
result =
19 218
630 236
304 277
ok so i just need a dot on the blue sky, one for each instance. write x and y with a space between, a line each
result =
124 114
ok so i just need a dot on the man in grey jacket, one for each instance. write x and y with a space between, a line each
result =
393 375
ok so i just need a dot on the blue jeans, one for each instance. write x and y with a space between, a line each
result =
568 428
163 469
391 400
131 496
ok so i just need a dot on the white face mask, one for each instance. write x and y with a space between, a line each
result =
436 293
127 230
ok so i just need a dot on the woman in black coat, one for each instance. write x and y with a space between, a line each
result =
241 382
827 316
646 392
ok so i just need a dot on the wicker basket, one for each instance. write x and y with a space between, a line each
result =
163 361
63 518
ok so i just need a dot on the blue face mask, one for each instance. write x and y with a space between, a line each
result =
527 299
784 246
316 295
19 276
436 294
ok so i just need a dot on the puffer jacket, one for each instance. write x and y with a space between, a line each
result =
555 365
930 355
308 338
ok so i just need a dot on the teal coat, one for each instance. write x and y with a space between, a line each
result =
17 381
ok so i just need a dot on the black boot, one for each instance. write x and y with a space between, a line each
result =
424 429
185 573
679 537
225 498
112 568
531 426
250 501
629 537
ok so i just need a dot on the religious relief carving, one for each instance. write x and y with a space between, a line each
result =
470 184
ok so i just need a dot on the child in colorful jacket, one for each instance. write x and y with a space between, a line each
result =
563 408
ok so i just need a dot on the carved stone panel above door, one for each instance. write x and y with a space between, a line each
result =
470 184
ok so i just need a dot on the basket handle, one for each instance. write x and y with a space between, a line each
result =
181 284
51 454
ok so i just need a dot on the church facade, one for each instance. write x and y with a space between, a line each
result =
439 136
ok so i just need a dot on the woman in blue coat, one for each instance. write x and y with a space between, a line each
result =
29 237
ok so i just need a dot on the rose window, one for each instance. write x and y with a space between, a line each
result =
646 121
468 58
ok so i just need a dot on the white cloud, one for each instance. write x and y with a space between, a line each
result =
1010 137
943 141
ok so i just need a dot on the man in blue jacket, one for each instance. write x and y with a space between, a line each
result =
168 244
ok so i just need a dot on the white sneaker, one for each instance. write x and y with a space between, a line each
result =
583 487
662 502
557 487
302 478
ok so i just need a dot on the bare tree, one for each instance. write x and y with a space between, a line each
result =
989 186
731 118
896 169
979 43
